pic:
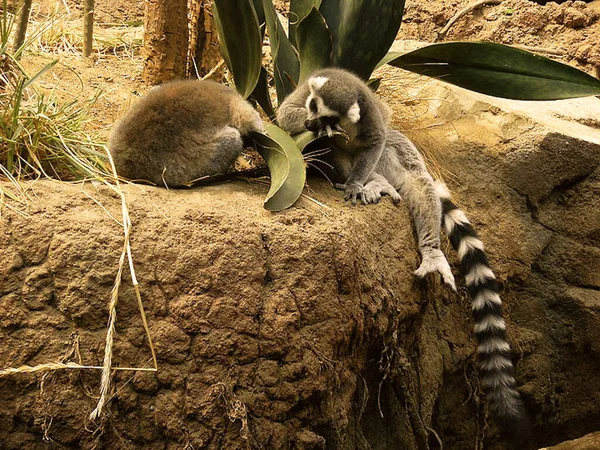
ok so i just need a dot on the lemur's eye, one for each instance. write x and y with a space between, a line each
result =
312 106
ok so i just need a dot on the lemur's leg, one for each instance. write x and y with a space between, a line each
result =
404 167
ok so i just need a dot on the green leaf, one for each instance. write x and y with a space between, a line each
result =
299 9
374 84
44 69
390 56
288 171
261 94
240 41
499 70
286 67
314 44
260 15
362 31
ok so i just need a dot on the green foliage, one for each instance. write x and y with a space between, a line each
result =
285 164
39 136
356 35
498 70
241 41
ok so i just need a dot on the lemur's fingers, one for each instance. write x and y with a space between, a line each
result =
353 191
393 193
435 261
329 131
339 128
340 186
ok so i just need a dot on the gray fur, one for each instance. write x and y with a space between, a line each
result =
339 94
376 161
182 131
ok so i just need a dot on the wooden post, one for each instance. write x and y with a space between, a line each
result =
165 40
22 25
88 27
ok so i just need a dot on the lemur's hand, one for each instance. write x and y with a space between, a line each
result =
435 261
352 191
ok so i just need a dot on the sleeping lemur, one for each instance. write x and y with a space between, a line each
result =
379 160
181 131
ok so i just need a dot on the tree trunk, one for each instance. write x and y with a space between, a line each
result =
180 40
203 55
165 40
22 25
88 27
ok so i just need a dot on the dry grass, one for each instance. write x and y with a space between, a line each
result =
42 138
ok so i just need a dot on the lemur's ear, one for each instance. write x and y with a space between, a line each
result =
354 113
316 83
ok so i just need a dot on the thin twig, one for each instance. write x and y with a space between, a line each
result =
463 12
213 70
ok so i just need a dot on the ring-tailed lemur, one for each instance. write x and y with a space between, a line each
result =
376 159
379 160
182 131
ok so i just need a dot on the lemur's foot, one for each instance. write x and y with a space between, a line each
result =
352 191
435 261
374 190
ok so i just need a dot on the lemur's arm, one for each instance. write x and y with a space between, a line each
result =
292 112
404 167
369 148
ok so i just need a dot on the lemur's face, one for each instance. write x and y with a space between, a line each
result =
328 104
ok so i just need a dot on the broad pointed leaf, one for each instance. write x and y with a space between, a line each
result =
499 70
260 14
286 67
240 40
299 9
288 171
374 84
261 94
314 44
362 31
390 56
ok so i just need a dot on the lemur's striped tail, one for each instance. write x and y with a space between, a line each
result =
493 351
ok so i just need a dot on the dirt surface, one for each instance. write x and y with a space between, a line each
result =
262 336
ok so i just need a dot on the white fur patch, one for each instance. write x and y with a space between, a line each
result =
478 274
497 379
493 345
354 113
467 244
490 323
308 100
485 298
496 362
456 216
316 83
442 190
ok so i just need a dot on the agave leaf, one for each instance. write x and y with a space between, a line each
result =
374 84
390 56
499 70
286 67
260 15
261 94
288 171
240 41
362 31
313 43
299 9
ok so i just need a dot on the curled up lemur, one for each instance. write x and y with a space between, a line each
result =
379 160
181 131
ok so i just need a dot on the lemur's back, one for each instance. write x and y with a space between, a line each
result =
181 131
